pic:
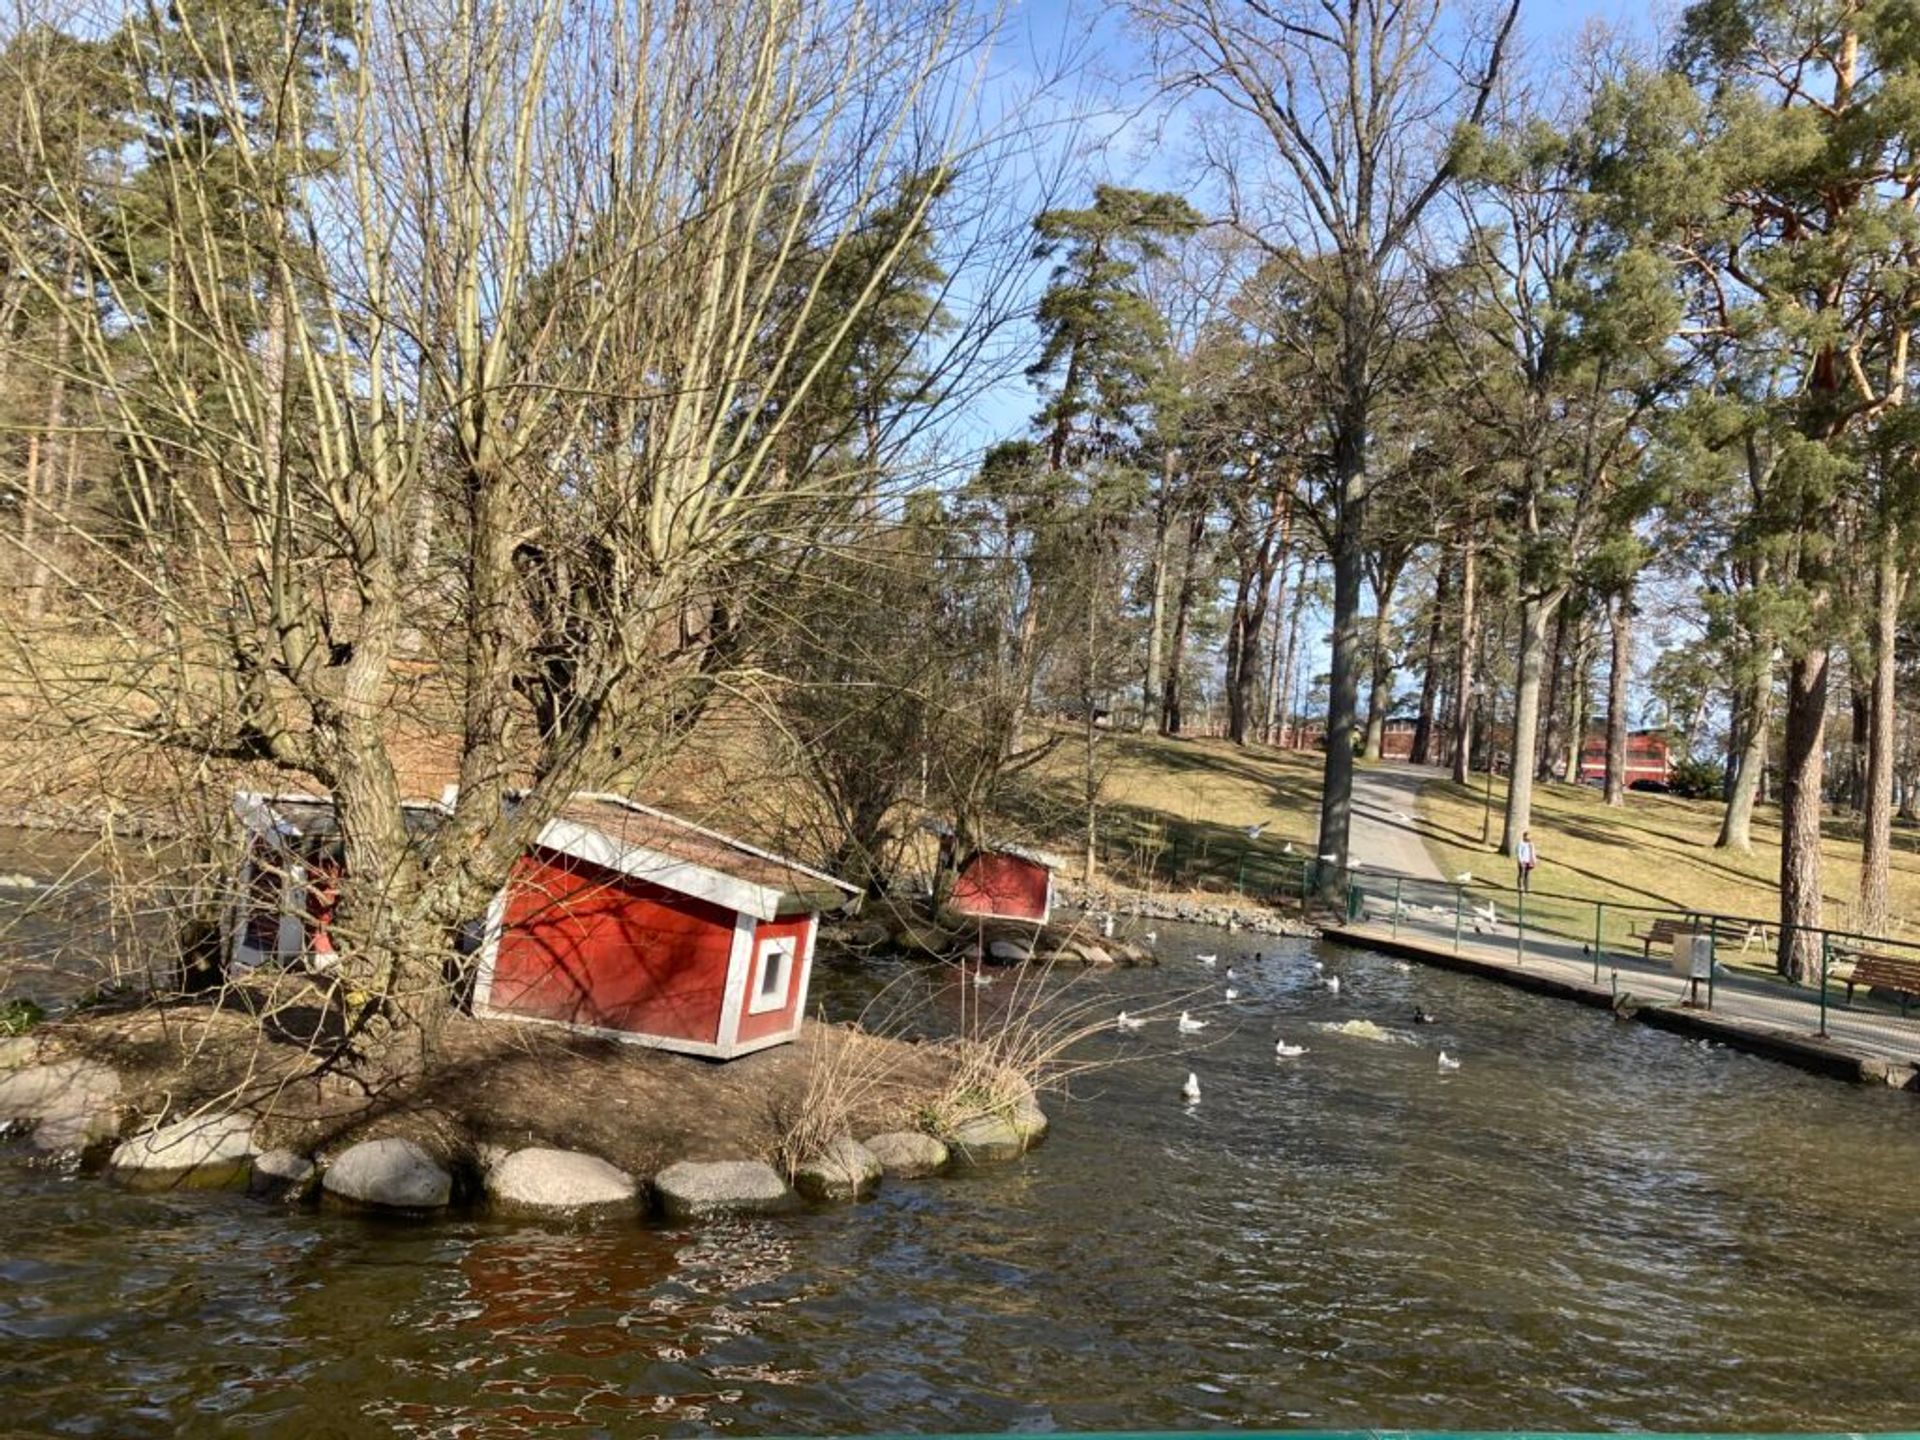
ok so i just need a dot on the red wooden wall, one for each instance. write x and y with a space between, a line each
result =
593 947
1004 885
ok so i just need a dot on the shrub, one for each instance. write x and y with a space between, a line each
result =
1697 780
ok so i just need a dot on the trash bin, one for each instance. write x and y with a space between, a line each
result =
1692 953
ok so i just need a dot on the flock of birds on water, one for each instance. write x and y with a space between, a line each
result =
1190 1024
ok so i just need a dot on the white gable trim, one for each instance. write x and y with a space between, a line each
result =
496 926
739 972
742 846
596 847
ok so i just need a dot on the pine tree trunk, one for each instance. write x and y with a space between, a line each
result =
1170 694
1619 672
1553 669
1380 695
1579 698
1535 611
1288 716
1349 572
1157 595
1275 643
1422 753
1736 825
1801 803
1463 668
1889 584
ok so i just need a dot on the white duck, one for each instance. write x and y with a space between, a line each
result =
1447 1062
1286 1051
1333 984
1152 937
1232 994
981 977
1126 1022
1207 960
1190 1092
1191 1026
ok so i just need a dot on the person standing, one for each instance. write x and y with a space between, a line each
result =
1525 858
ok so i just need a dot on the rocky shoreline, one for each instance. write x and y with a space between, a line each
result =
1231 915
68 1110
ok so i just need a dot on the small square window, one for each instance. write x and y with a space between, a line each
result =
774 978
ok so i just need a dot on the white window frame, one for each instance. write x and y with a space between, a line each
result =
761 1001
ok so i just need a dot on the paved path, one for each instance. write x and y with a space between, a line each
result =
1383 835
1757 1003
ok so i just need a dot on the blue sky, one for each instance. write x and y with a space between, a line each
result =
1119 138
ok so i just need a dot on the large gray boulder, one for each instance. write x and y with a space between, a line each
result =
693 1190
843 1169
393 1174
65 1107
201 1150
907 1153
563 1182
283 1175
986 1139
1008 952
1029 1121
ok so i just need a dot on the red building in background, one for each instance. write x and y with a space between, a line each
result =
1649 759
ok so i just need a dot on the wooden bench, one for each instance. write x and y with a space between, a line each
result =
1663 932
1748 932
1898 973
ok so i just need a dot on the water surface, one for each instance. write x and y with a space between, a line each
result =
1589 1226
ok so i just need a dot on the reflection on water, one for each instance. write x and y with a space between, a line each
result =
1588 1226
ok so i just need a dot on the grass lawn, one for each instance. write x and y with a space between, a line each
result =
1657 850
1182 804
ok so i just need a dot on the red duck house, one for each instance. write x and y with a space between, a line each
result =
627 922
1005 882
620 921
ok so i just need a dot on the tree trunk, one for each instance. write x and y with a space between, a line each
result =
1288 711
1463 669
1535 610
1800 812
1736 826
1157 594
1170 696
1422 753
1889 584
1619 672
1277 607
1349 572
1579 697
1380 695
39 457
1554 668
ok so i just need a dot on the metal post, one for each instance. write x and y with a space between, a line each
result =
1825 950
1240 880
1713 958
1599 928
1350 911
1397 880
1520 927
1457 895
